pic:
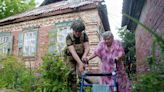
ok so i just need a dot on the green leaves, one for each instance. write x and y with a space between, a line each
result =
128 38
54 74
14 74
150 82
12 7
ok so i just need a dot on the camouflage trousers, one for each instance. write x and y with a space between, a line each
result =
74 75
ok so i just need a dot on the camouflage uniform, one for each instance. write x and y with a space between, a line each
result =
79 48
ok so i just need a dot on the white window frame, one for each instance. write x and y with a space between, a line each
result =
30 41
57 42
5 43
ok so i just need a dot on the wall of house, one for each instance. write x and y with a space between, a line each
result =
46 25
152 16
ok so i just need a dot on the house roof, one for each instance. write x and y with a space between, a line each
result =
134 9
48 10
57 8
46 2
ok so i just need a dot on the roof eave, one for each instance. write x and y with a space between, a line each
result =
53 13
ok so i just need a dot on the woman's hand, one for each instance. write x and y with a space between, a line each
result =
87 59
84 59
116 59
119 58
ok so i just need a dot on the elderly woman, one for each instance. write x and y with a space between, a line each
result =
109 51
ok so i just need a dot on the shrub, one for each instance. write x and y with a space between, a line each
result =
149 82
14 75
54 75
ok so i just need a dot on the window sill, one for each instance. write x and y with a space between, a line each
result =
29 58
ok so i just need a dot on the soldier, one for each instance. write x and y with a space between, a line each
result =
77 51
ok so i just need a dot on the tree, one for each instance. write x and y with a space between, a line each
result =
12 7
128 38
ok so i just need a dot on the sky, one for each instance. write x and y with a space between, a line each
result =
38 2
114 8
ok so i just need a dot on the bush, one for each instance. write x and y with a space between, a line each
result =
128 38
150 82
14 75
54 75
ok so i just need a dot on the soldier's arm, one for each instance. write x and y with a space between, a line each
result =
72 49
76 57
74 54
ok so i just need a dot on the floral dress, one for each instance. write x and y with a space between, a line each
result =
107 56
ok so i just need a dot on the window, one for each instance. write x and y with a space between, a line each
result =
5 43
28 42
57 36
52 35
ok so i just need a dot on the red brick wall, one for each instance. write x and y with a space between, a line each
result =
42 43
15 42
41 48
153 17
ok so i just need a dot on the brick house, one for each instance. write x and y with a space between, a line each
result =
34 33
151 14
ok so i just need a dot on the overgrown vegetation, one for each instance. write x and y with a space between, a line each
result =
14 75
54 75
152 81
128 38
149 82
